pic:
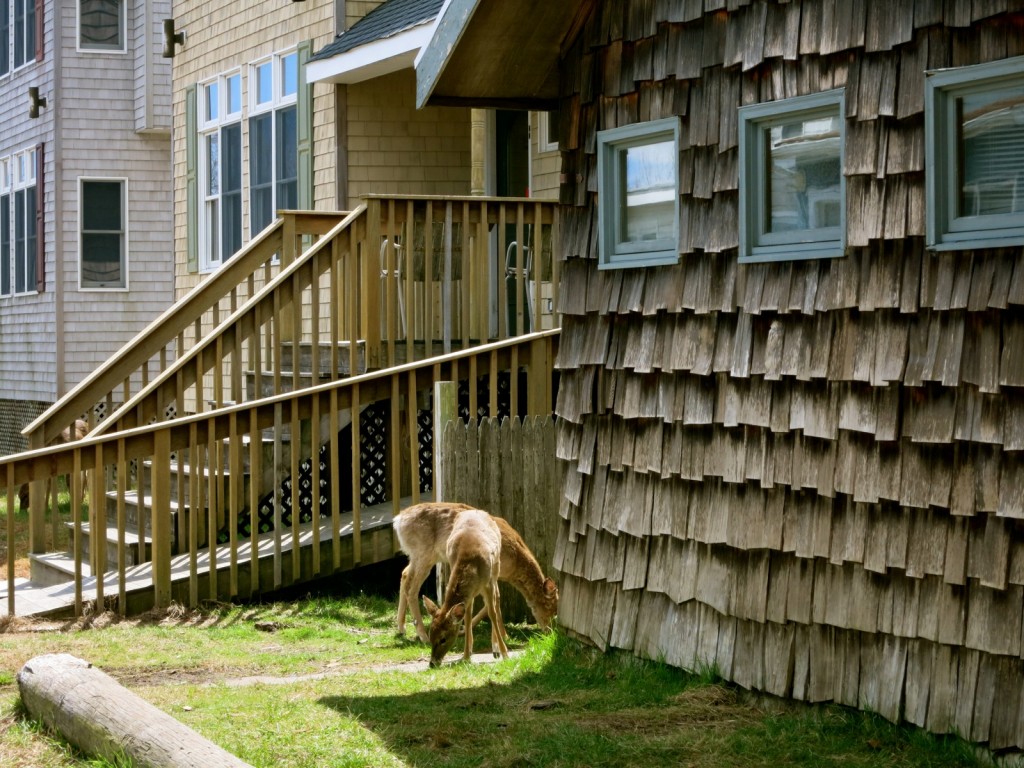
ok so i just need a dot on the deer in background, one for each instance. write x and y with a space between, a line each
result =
423 532
474 551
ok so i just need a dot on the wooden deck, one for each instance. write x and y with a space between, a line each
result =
276 567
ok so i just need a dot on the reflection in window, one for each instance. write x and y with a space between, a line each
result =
991 151
803 184
650 179
638 194
792 189
100 24
103 233
974 153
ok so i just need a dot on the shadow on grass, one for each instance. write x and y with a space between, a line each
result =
564 705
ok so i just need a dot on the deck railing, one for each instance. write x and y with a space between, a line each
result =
221 447
395 281
170 335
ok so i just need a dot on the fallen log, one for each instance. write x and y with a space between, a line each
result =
101 717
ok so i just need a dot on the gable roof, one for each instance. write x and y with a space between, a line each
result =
385 40
497 53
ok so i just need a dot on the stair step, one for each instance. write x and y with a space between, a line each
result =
133 543
55 568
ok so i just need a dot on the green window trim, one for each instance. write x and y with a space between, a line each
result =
786 148
638 194
304 106
948 164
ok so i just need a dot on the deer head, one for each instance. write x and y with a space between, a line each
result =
445 626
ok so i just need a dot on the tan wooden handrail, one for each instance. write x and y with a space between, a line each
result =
152 342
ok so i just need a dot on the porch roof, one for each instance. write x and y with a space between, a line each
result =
497 54
385 40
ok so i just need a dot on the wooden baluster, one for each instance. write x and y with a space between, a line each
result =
195 501
314 441
314 319
76 517
295 452
493 385
447 314
350 288
556 270
276 497
520 262
537 263
161 519
213 505
234 498
122 523
357 553
428 280
395 445
407 284
98 519
502 274
335 482
466 282
255 485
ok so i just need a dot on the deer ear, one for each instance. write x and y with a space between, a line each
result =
459 611
430 605
549 586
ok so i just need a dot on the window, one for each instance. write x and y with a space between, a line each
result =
221 169
102 233
18 238
101 25
638 194
24 32
547 134
974 155
273 139
792 188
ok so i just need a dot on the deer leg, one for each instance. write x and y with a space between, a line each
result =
493 608
408 599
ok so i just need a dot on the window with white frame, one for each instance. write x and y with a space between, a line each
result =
547 131
18 237
273 138
102 25
638 194
19 20
974 155
792 188
102 234
220 105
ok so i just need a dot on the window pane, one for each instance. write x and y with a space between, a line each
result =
287 159
289 75
991 151
213 164
804 169
19 32
231 197
101 204
234 87
5 38
261 177
649 175
212 103
30 239
5 244
101 260
264 84
100 24
20 238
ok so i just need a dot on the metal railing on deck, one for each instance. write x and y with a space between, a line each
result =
223 446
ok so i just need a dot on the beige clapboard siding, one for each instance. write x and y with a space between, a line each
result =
220 39
804 473
395 148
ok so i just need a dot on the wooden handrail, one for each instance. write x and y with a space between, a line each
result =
166 328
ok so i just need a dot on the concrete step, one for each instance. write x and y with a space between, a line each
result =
55 568
137 548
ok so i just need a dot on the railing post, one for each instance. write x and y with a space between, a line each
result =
161 522
538 388
36 505
446 408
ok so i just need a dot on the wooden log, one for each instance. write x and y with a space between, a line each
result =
99 716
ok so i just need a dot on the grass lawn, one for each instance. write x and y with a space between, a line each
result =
19 527
324 681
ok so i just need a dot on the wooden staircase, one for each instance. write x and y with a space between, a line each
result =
218 404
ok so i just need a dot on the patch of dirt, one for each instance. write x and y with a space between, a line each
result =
712 706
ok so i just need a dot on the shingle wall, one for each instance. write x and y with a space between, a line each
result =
807 473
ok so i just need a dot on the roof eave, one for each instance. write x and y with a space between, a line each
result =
366 62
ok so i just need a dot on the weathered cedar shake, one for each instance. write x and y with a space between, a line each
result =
807 473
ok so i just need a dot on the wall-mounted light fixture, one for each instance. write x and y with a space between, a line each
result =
35 102
171 38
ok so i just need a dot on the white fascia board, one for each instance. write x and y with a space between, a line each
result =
381 57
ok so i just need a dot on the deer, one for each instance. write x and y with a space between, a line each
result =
423 531
76 431
474 551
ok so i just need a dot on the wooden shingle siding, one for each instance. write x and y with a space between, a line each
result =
807 473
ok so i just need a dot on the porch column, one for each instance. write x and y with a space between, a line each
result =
478 151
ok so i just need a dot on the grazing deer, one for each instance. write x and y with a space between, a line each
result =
76 431
423 532
474 551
